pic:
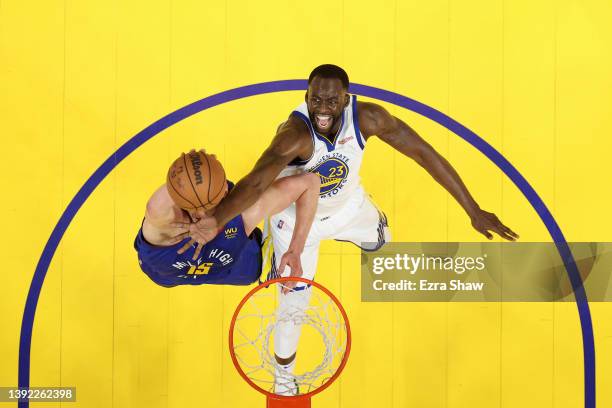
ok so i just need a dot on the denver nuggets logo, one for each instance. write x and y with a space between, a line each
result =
333 173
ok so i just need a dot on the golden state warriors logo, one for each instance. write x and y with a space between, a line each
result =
333 173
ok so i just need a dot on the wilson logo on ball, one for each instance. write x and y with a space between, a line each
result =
196 163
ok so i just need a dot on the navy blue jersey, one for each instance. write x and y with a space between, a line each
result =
231 258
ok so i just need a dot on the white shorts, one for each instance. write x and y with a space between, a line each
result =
359 221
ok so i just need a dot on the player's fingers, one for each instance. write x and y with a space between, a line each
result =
510 232
296 270
183 225
486 233
204 223
186 246
179 238
281 267
196 254
194 231
200 239
198 234
208 238
507 236
288 286
503 232
506 231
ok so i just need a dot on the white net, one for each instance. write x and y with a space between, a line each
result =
305 321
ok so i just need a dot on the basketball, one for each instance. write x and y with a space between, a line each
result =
196 180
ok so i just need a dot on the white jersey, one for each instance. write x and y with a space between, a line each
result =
344 213
337 163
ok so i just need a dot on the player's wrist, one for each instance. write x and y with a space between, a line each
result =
219 218
472 210
296 248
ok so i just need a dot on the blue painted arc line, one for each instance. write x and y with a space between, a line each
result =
128 147
588 342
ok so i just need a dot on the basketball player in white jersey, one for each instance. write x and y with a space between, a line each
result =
327 135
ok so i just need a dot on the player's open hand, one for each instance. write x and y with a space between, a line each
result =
204 229
201 231
484 222
197 251
292 260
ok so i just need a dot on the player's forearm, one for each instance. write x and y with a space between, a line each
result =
251 187
442 171
244 194
305 208
405 140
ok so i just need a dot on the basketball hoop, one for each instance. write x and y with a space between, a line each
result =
323 348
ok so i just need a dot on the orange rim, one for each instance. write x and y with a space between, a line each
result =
344 358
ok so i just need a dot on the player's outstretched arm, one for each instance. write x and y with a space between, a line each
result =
302 189
292 141
375 120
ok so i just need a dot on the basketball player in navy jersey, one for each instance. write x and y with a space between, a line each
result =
234 256
326 135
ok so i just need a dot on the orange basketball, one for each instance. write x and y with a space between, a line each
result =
196 180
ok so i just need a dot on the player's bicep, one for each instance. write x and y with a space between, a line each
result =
393 131
159 211
289 143
374 120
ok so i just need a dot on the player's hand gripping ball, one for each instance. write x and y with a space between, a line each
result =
196 180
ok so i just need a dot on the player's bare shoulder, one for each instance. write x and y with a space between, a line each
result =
161 213
373 119
293 139
294 128
160 208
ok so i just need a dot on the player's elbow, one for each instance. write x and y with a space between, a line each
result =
425 156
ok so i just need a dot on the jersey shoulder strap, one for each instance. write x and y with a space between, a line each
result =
355 117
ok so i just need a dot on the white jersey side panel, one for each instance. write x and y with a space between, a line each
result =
337 163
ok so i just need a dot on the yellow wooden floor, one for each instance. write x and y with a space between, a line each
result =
79 78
